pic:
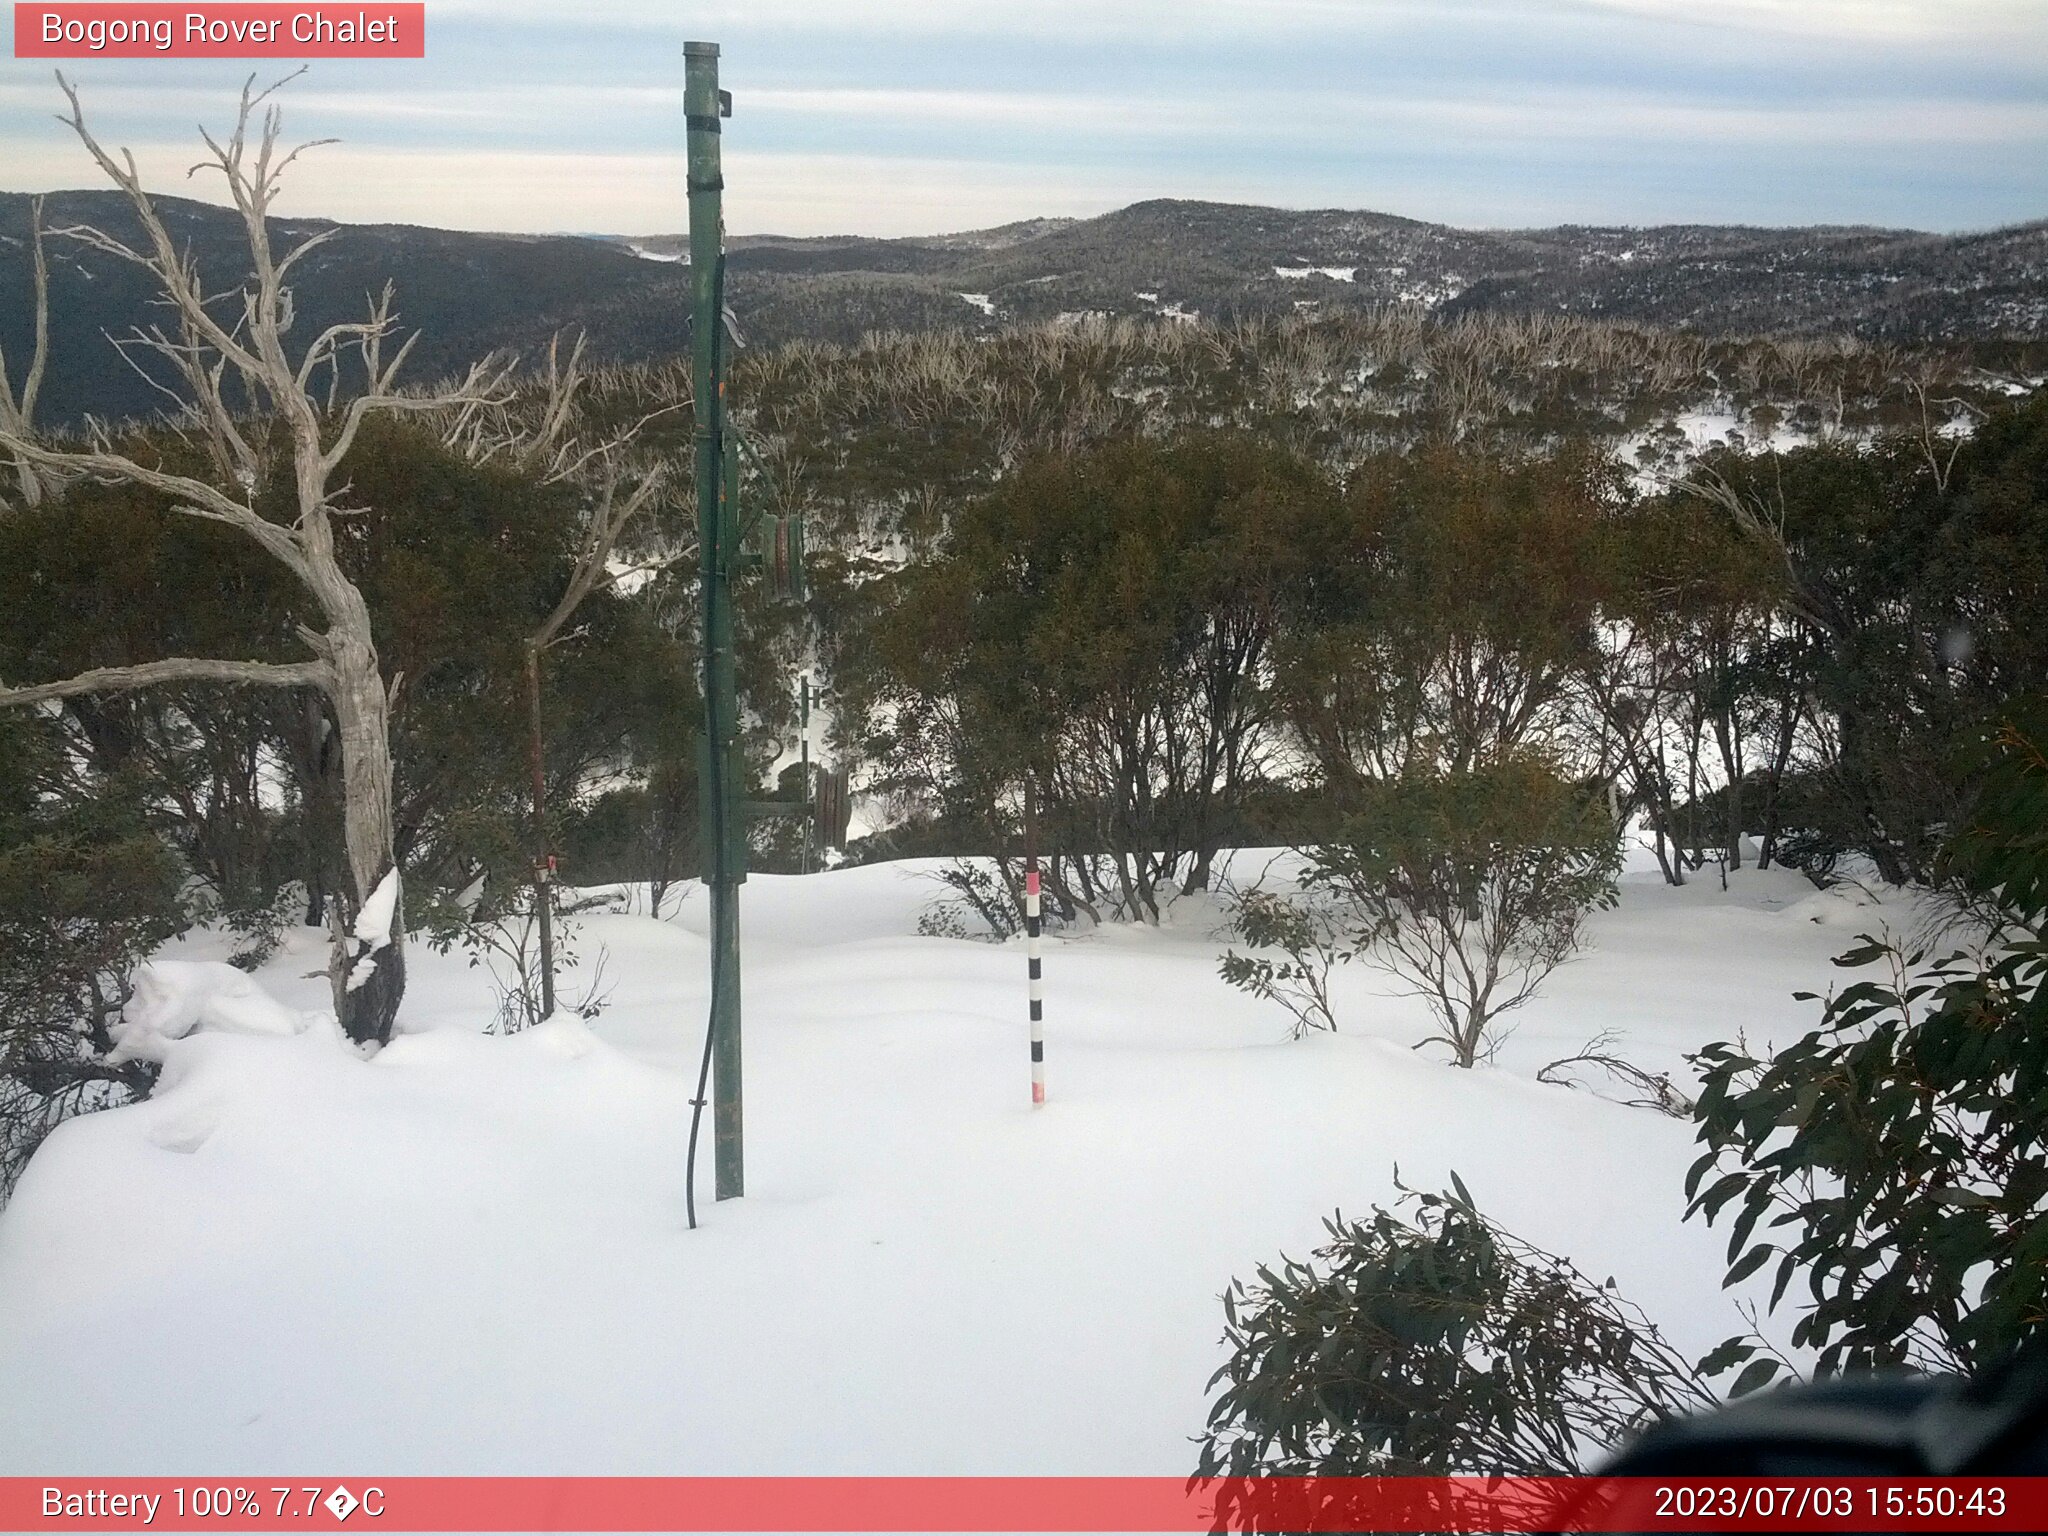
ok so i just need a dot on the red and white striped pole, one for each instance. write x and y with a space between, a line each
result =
1031 934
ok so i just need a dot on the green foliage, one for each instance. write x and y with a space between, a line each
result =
1896 1158
1438 1344
1915 570
1698 692
2001 848
1471 886
1462 590
86 891
1102 620
459 564
1308 938
101 575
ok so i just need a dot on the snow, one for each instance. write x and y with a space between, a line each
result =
467 1253
1432 294
373 923
1170 310
1336 274
372 930
1684 435
981 301
172 998
629 576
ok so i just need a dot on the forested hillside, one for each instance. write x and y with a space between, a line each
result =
470 293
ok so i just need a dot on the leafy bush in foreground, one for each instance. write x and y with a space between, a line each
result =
1434 1346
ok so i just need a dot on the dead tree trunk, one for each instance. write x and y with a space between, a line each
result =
18 411
368 964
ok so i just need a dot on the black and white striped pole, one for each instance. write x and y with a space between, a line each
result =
804 746
1032 930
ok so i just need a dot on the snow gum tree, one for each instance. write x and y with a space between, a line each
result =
1427 687
1105 620
233 365
1455 606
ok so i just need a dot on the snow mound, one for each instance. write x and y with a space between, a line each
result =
1838 906
561 1035
173 998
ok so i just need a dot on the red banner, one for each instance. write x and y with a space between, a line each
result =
1008 1504
266 31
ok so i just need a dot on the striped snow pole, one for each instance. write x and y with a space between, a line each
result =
804 737
1031 930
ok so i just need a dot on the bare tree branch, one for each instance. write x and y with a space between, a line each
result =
195 498
151 674
592 572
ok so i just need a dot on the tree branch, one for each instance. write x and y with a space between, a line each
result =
196 498
150 674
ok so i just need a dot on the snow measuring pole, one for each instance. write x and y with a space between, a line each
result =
718 754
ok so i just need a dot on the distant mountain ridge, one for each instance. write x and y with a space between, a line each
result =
470 293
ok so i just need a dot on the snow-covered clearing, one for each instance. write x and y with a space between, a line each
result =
468 1255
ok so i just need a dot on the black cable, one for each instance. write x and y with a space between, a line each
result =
697 1104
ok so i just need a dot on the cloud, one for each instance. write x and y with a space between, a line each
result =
1194 21
1841 20
212 105
1008 109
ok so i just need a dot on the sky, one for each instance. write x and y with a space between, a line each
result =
896 117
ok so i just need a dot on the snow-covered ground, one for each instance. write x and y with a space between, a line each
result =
468 1254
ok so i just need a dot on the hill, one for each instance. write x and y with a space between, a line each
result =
470 293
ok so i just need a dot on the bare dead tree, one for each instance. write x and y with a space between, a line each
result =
594 572
538 431
1940 456
245 356
18 411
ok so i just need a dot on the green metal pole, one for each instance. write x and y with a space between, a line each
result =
718 540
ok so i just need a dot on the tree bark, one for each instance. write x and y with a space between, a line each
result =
367 1008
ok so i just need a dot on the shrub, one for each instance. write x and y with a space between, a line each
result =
86 892
1904 1143
980 896
1471 886
1436 1345
1295 945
